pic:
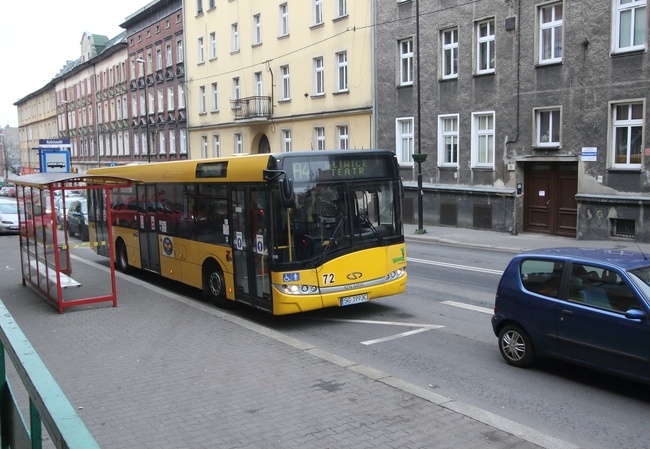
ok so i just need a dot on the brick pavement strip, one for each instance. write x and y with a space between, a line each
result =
164 371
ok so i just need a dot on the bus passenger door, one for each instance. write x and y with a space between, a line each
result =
149 254
250 240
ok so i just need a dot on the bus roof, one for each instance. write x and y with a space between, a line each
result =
241 168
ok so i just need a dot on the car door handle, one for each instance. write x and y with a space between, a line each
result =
567 312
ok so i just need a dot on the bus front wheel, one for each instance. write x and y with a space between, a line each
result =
214 286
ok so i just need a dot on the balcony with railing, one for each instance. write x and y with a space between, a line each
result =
252 108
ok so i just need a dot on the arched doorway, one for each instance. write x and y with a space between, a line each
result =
264 145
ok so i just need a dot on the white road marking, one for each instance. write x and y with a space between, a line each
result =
453 265
420 328
469 307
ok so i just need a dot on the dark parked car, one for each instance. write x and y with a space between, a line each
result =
586 306
78 218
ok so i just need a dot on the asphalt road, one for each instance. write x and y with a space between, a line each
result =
437 335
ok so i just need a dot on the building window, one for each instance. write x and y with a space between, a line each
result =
216 146
183 141
283 29
285 92
257 29
319 76
483 139
161 142
317 12
550 33
239 145
215 98
201 51
341 8
202 99
448 140
168 55
179 50
627 133
319 138
342 71
485 47
286 140
404 138
236 89
450 53
136 145
213 45
406 62
212 4
204 147
181 97
342 137
199 7
629 25
161 100
172 141
159 61
234 37
548 123
170 98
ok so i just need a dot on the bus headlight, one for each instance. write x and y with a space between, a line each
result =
297 289
395 274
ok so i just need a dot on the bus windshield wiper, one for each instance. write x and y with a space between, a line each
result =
339 225
374 230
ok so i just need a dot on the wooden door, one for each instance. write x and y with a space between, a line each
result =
550 206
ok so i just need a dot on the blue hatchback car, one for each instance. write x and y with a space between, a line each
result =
585 306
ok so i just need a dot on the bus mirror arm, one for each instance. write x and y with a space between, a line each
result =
285 185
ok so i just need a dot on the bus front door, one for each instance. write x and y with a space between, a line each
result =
149 254
251 257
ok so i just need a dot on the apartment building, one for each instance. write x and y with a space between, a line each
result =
277 76
156 83
37 120
532 114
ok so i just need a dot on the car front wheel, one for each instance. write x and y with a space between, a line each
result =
515 346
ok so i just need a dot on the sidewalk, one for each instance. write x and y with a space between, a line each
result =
514 243
163 370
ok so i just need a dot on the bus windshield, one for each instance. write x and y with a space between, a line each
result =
329 218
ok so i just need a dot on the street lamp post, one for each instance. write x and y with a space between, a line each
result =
419 157
146 106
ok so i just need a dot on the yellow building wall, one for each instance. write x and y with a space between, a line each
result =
350 33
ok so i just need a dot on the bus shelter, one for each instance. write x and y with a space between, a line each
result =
46 241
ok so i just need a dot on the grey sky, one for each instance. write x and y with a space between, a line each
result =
37 37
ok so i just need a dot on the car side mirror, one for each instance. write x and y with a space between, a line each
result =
635 314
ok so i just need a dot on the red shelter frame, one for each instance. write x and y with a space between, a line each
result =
45 259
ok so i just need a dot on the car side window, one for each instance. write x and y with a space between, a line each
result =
602 288
542 276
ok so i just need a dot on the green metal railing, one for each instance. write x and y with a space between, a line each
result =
47 403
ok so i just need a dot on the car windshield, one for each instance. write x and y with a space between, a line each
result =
8 208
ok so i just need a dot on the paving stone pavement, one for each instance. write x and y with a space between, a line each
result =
165 371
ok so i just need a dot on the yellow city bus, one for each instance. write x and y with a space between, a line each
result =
285 233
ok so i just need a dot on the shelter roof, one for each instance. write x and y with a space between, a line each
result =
70 180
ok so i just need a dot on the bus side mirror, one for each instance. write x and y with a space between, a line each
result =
286 192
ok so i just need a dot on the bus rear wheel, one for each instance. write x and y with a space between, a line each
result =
214 286
122 257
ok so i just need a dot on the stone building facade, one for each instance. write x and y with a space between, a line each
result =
532 114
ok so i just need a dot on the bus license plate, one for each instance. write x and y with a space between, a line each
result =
356 299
